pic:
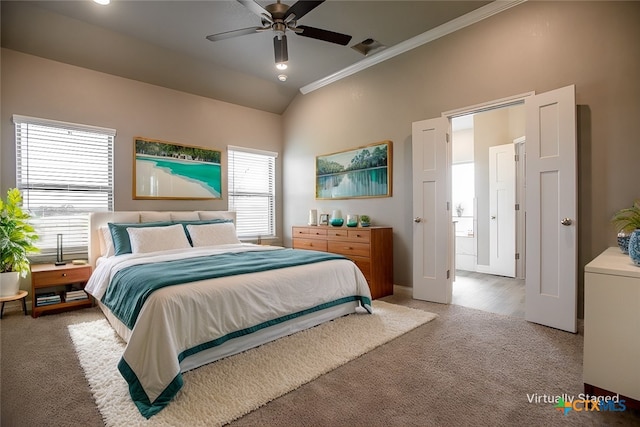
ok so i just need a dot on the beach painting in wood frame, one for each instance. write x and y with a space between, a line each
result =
165 170
357 173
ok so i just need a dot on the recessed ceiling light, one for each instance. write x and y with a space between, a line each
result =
282 77
281 65
102 2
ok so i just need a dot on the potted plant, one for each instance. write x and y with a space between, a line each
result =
365 221
17 239
626 221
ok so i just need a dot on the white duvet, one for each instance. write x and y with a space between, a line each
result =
178 318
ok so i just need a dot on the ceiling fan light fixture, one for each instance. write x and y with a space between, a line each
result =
282 77
281 66
102 2
280 49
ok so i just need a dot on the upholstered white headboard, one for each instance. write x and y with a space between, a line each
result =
101 219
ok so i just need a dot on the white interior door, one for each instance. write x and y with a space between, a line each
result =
502 211
432 236
551 227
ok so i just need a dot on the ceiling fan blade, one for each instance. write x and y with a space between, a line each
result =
325 35
280 49
236 33
301 8
255 8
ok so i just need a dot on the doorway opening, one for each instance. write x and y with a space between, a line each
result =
487 185
551 207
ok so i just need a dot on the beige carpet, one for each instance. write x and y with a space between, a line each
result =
223 391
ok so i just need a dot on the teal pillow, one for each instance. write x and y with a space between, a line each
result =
121 242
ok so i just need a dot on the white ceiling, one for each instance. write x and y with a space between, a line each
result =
163 42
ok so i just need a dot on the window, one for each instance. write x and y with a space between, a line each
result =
64 171
252 191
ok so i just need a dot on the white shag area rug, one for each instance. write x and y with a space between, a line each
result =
220 392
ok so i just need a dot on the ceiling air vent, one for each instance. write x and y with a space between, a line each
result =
368 46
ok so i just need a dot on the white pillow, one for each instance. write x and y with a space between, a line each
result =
151 239
223 233
106 242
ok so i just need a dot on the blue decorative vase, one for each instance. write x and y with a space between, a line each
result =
623 242
634 247
337 222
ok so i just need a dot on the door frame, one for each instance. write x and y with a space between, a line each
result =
551 170
509 101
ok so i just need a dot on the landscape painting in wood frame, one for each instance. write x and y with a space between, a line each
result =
357 173
165 170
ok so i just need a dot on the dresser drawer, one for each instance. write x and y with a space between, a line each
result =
359 235
349 248
337 233
351 235
370 248
309 232
310 243
60 277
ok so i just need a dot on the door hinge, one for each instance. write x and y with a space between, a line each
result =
447 136
516 157
517 256
517 206
448 207
448 273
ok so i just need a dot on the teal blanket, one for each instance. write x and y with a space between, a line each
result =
131 286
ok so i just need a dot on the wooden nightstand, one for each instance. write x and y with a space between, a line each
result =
51 285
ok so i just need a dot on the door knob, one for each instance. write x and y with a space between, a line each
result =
493 217
566 221
417 219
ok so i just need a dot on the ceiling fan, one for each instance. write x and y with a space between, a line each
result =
279 18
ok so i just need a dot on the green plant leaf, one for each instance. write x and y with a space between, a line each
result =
17 236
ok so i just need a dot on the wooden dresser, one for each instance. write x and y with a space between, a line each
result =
371 248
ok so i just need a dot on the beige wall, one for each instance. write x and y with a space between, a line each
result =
38 87
536 46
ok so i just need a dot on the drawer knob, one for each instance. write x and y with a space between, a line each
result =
64 274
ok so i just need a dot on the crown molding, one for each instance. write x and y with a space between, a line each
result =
463 21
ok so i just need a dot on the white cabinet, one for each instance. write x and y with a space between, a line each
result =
465 253
612 324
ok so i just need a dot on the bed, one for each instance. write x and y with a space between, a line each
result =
181 305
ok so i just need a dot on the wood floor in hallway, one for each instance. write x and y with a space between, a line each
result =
496 294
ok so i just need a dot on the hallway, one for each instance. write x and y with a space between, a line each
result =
496 294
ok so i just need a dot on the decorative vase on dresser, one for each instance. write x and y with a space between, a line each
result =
634 247
371 249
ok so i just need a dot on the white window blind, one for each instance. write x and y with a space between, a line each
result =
252 191
64 171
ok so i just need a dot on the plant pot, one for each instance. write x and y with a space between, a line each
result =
9 284
634 247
